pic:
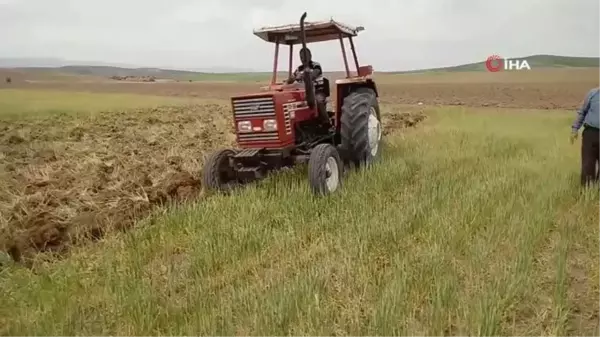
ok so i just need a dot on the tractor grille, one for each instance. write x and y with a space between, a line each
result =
258 137
253 107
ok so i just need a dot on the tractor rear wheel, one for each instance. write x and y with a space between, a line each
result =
324 169
217 174
361 128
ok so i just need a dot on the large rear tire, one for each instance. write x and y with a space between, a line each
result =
217 174
324 169
361 129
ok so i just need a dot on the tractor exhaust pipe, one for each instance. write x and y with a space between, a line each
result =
306 76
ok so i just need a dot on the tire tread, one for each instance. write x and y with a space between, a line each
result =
316 167
354 125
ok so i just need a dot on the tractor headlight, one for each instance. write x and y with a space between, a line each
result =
244 126
270 125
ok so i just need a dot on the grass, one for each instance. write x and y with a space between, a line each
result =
473 224
23 104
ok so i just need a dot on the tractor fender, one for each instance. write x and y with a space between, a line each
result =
345 85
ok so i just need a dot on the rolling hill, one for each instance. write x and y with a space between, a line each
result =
535 61
79 68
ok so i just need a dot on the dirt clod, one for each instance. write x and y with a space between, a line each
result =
15 139
401 119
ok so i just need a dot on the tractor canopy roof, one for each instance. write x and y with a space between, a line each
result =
315 32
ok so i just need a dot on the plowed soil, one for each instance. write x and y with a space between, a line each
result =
66 181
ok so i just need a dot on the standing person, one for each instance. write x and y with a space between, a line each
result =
588 116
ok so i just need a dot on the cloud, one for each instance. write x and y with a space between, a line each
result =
405 34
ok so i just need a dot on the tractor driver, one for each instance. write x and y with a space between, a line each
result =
317 71
317 77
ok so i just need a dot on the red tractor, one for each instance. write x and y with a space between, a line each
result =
282 125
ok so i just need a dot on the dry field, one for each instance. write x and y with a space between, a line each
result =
546 89
80 161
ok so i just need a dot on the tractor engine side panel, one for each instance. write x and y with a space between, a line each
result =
296 101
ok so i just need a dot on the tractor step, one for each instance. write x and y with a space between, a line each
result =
249 173
249 169
247 153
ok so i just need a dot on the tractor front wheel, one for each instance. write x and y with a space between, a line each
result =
324 169
361 128
218 175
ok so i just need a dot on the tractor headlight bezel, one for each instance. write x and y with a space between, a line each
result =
270 125
244 126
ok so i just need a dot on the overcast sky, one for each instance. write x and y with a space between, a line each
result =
399 34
